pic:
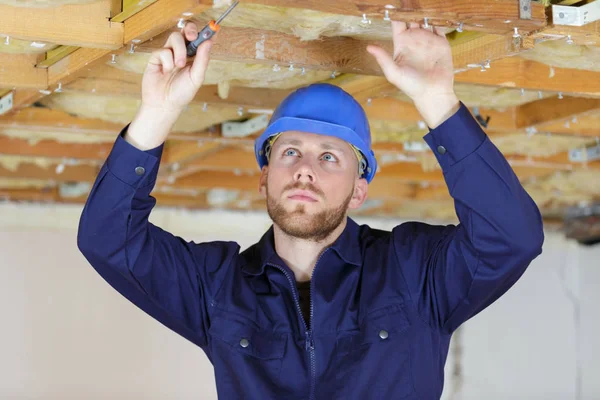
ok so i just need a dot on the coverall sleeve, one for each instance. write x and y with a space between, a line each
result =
454 272
170 279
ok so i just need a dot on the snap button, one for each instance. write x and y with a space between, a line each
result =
244 343
441 150
140 170
383 334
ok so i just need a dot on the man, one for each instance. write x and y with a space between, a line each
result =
320 308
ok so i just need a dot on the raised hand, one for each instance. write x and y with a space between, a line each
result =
421 67
168 82
422 61
168 86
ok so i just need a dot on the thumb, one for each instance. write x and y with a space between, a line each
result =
198 69
385 61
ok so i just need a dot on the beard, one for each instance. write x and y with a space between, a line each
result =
302 225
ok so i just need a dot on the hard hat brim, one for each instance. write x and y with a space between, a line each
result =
285 124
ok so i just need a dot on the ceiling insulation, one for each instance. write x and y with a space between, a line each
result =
235 73
538 145
395 131
305 24
23 183
43 3
123 109
491 96
559 53
37 134
565 188
16 46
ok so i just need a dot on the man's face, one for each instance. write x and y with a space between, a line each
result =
310 183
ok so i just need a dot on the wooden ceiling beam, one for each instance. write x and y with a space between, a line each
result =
18 70
84 25
553 109
476 15
160 16
106 80
340 54
516 72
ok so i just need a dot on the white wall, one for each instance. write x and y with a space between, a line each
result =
67 335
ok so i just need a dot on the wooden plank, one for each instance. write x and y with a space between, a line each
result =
392 109
554 109
54 149
516 72
67 68
56 55
44 119
106 80
77 173
588 34
58 24
158 17
131 8
341 54
476 15
18 70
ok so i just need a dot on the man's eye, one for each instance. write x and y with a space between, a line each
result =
329 157
290 152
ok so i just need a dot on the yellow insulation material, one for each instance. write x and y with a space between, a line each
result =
559 53
227 74
538 145
490 96
34 136
17 183
122 110
16 46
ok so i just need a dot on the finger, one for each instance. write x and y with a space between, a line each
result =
398 28
385 61
177 43
190 31
198 70
413 25
162 58
442 31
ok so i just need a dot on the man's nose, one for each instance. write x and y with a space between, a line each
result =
305 173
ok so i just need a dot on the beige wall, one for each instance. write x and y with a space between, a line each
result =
67 335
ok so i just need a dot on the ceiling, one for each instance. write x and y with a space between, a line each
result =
75 78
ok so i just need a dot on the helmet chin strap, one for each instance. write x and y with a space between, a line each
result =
362 163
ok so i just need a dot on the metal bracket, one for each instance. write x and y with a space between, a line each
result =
585 154
576 16
525 9
243 129
6 103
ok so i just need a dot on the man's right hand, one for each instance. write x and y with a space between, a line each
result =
168 86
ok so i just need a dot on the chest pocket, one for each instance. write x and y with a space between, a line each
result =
382 326
245 338
245 356
374 362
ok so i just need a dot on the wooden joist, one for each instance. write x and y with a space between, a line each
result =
516 72
85 25
499 16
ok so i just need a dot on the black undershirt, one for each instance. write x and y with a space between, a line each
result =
304 299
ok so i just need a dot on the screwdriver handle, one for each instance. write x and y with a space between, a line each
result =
205 34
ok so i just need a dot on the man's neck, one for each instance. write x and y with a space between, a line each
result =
301 255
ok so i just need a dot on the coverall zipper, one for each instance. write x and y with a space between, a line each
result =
308 332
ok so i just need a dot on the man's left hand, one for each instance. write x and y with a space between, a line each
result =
421 67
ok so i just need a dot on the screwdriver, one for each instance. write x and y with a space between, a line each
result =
208 32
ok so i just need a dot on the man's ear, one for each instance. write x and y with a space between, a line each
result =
359 195
262 184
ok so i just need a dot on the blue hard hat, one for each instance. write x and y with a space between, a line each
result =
324 109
